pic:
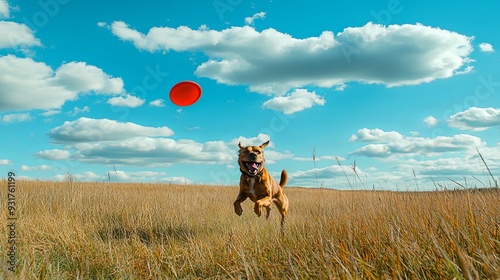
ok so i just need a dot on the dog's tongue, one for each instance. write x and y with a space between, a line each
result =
252 166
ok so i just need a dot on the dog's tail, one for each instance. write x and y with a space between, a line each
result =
284 178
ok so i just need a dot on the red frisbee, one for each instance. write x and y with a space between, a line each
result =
185 93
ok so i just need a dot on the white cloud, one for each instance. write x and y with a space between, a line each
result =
393 144
273 62
81 77
148 151
77 110
431 121
4 9
28 85
272 156
461 166
54 154
157 103
14 34
374 150
431 173
250 20
137 176
176 180
94 130
88 176
326 172
50 113
142 176
253 141
13 118
42 167
486 47
475 119
127 101
329 176
318 158
298 100
5 162
371 135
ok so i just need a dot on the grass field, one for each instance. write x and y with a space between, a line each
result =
76 230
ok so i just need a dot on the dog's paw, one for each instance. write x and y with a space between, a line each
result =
238 210
258 209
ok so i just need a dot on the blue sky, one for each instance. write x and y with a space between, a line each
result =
403 92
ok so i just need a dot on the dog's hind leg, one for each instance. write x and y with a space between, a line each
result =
268 209
282 204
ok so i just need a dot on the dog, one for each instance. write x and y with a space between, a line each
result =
258 185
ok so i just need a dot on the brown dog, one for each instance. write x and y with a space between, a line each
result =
257 184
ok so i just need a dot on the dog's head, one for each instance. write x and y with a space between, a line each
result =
251 158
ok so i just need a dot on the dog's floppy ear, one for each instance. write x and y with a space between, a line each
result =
264 144
239 145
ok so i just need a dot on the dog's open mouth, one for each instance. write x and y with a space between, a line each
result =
253 167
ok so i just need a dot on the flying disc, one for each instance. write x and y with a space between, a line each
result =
185 93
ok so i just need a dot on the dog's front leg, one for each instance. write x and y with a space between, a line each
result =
263 202
237 203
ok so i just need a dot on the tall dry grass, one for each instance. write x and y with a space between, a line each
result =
76 230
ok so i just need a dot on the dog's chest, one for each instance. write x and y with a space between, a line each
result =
252 185
252 192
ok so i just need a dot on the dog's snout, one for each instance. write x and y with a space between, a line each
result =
253 156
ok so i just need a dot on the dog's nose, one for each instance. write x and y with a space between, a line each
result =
253 156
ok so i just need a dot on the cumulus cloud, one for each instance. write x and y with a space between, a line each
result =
141 176
431 172
13 118
253 141
475 119
157 103
486 47
124 143
42 167
54 154
323 173
4 9
81 77
5 162
148 151
78 110
93 130
27 84
176 180
137 175
394 144
273 62
14 34
250 20
373 135
431 121
459 166
295 101
88 176
126 101
50 113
